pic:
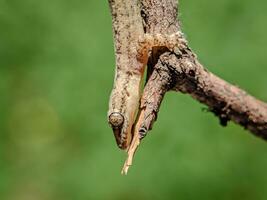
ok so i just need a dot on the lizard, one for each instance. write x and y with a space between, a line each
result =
132 48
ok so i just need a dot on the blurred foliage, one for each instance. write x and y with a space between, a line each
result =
56 74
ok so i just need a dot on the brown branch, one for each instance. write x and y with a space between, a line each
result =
187 75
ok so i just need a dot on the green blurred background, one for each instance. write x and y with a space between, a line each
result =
56 74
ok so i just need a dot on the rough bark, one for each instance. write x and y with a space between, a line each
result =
181 71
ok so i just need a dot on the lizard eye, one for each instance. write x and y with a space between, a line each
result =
116 120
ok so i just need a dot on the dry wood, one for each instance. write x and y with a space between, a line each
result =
225 100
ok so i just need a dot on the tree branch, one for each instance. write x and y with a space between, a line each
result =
181 71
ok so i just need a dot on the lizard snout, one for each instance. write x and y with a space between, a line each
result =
116 121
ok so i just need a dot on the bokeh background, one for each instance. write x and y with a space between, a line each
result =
56 74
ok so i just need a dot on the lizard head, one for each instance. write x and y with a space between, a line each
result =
123 106
116 121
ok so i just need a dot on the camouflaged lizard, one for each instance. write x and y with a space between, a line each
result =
132 46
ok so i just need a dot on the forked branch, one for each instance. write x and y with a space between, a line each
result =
226 101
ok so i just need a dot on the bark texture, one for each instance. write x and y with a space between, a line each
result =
181 71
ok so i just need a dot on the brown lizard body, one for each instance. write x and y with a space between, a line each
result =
124 100
132 46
